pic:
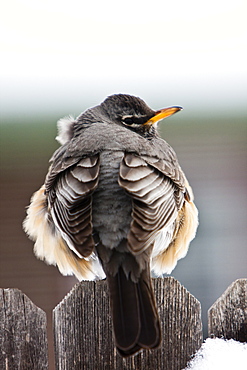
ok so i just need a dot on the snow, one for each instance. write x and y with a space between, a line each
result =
216 354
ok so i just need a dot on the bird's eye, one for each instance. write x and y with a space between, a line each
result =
134 121
128 121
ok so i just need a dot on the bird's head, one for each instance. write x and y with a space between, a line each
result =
121 109
133 113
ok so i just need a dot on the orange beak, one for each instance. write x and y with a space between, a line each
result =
162 113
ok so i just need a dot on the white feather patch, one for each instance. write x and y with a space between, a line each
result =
166 261
65 129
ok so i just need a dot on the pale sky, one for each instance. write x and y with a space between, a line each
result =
70 53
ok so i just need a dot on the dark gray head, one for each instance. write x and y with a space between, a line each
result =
127 109
134 113
121 109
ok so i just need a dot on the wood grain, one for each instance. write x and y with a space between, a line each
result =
83 330
227 317
23 339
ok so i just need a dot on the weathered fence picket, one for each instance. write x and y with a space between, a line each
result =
83 332
84 316
227 317
23 338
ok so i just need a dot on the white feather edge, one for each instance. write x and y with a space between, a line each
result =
165 261
65 129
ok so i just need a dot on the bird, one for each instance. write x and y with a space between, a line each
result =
116 204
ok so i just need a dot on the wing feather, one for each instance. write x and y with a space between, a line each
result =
70 202
157 190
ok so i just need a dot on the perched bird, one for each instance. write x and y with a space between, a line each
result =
115 204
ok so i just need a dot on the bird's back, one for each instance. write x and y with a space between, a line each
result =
111 204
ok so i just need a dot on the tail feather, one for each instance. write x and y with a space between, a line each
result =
150 335
125 310
135 318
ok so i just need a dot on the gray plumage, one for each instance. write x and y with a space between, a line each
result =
116 203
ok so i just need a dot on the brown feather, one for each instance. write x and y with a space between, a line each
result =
156 206
71 203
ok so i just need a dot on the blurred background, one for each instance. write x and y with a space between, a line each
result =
60 57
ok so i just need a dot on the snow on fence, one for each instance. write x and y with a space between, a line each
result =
83 333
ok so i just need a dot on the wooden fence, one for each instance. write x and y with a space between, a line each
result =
83 333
